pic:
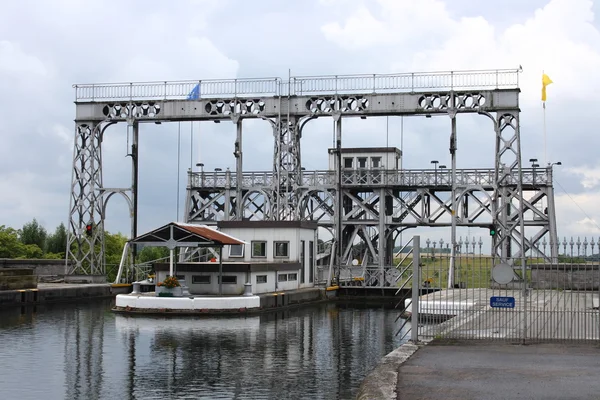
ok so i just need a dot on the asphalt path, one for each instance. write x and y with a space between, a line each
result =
494 370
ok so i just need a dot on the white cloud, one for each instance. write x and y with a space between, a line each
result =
559 38
590 177
14 61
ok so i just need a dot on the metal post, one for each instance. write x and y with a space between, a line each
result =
220 270
381 248
134 187
122 263
552 219
452 265
171 257
340 214
416 282
239 171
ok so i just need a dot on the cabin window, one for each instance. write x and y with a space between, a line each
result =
282 278
261 279
259 249
236 250
292 277
180 277
229 279
362 162
201 279
375 162
348 161
281 249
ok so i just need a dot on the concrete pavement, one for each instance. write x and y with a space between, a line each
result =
486 370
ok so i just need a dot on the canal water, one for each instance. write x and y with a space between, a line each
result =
85 351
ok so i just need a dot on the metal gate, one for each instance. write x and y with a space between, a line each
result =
543 300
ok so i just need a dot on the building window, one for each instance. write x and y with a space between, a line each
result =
230 279
281 249
259 249
348 161
201 279
261 279
282 278
375 162
236 250
292 277
362 162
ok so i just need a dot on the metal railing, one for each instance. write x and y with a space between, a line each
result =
405 82
410 178
299 86
543 301
178 90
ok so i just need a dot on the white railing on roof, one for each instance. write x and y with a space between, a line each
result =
301 85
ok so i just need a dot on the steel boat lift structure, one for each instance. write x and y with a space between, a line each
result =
368 207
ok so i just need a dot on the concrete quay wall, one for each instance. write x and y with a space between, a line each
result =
41 268
565 276
53 293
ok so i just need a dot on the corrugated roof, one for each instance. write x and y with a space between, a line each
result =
209 233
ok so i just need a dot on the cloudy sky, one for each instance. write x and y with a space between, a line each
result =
47 46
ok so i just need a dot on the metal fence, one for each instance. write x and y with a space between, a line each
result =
298 86
539 301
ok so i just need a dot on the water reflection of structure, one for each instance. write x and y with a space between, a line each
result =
294 353
83 352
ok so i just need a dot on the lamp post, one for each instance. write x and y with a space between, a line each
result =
441 176
217 170
435 163
201 166
534 165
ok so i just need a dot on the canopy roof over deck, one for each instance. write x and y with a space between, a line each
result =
178 234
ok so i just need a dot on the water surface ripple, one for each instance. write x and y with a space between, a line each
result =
83 351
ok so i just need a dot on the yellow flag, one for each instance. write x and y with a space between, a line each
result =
545 82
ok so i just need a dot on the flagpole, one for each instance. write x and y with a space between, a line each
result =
545 141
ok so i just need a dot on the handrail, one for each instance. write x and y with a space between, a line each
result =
295 86
369 177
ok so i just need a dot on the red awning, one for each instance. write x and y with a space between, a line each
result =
178 234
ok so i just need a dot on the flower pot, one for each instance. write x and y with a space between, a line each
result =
162 291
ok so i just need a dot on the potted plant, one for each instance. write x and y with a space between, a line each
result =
170 287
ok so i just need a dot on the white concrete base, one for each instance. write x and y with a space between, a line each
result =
145 302
440 307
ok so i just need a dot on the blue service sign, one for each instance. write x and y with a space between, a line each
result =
502 302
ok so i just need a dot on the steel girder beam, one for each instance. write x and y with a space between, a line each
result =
427 206
276 107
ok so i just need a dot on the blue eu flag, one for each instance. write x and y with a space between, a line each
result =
195 93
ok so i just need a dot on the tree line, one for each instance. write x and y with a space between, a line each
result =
33 241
